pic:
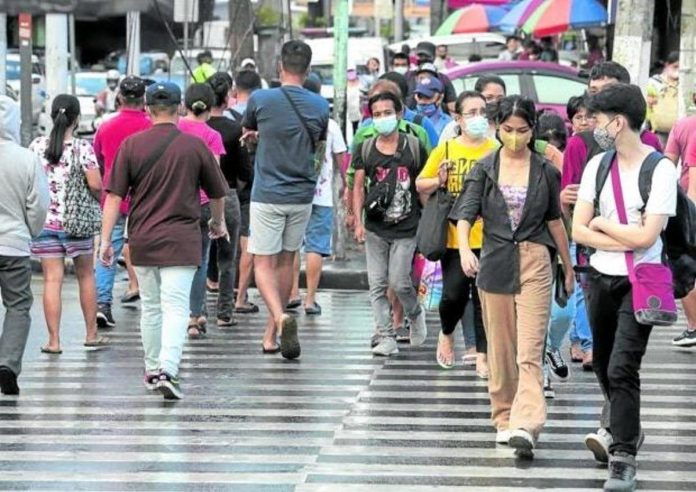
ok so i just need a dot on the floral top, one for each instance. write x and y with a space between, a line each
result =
515 196
57 174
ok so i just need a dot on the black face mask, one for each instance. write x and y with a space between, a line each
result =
424 59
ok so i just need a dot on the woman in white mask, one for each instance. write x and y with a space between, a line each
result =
446 168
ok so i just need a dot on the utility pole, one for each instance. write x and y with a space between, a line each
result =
25 87
56 54
73 55
133 43
398 20
3 53
436 11
339 114
687 58
633 38
241 19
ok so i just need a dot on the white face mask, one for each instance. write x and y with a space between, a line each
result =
401 70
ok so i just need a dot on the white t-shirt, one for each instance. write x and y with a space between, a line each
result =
662 201
335 144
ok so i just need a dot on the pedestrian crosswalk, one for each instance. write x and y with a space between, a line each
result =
338 419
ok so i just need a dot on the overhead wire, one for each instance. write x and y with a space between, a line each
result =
172 37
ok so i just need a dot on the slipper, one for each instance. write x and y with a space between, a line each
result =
289 343
250 308
274 350
47 350
444 362
129 297
294 303
99 342
313 310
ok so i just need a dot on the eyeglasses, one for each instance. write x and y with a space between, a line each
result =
471 114
583 118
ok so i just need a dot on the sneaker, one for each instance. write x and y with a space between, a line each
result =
576 353
419 330
587 361
226 321
523 443
150 380
622 473
557 365
375 340
503 436
686 339
386 347
8 381
548 389
104 317
169 387
403 334
599 442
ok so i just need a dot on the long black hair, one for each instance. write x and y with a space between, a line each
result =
64 112
519 106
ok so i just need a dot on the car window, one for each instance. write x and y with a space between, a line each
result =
552 89
512 83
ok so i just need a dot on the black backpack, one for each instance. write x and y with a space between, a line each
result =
679 237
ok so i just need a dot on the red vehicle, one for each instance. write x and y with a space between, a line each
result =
549 85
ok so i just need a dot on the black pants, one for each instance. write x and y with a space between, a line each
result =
456 289
619 346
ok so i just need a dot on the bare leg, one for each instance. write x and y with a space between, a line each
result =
132 278
397 309
246 268
689 304
295 290
314 263
53 271
84 269
274 277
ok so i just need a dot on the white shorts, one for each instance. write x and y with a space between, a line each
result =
276 228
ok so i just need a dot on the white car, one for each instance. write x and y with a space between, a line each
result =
38 96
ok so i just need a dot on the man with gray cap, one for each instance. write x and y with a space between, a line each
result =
24 192
161 169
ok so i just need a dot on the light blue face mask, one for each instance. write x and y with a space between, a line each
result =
386 125
476 126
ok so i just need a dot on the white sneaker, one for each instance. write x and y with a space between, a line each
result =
386 347
419 330
523 443
503 436
599 442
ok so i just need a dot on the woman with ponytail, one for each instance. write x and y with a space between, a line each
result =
59 152
199 101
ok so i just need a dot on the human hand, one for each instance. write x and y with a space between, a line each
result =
569 195
106 253
470 263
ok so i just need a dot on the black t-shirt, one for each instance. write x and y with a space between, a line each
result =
404 212
232 162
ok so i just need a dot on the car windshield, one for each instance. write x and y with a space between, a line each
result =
89 85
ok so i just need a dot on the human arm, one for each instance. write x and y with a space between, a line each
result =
358 201
583 234
216 225
558 234
37 201
465 211
435 173
110 216
469 261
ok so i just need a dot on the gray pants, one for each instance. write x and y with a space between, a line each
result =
227 256
389 264
15 287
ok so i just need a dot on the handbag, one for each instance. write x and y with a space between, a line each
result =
433 226
82 216
430 287
651 283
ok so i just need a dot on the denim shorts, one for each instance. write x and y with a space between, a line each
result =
319 231
58 244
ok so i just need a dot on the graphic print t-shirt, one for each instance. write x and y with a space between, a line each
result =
404 211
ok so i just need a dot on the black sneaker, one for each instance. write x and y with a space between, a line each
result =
548 389
557 365
8 381
104 317
686 339
169 387
622 473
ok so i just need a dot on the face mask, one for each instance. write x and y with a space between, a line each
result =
352 75
476 126
401 70
112 86
603 138
427 109
386 125
513 141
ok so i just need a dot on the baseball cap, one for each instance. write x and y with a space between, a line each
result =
425 48
132 87
429 87
167 93
428 67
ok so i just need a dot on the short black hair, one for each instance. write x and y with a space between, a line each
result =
575 104
386 96
467 95
166 109
519 106
199 98
510 38
296 56
610 70
621 99
398 79
248 80
488 78
551 127
399 54
673 57
220 83
475 58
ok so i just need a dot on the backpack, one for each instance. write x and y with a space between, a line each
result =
679 237
664 112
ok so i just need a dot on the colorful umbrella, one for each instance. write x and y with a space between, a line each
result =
557 16
474 18
518 15
458 4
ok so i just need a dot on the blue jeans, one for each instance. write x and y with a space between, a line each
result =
198 287
105 276
580 332
560 323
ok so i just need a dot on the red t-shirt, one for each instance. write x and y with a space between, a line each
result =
682 143
212 139
111 135
164 221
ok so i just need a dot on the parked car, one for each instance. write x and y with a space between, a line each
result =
150 62
549 85
38 81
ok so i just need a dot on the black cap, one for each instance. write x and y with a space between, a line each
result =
166 93
132 87
426 48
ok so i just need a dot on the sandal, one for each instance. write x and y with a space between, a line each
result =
313 310
444 359
130 297
294 303
249 308
469 357
98 342
195 330
48 350
482 366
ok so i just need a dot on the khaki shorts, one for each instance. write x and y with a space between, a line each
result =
276 228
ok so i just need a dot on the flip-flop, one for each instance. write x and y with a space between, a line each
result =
274 350
441 360
129 297
99 342
47 350
289 343
250 308
313 310
294 303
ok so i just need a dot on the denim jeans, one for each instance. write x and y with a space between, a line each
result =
580 331
105 276
164 294
227 256
561 321
619 346
198 287
389 263
15 286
